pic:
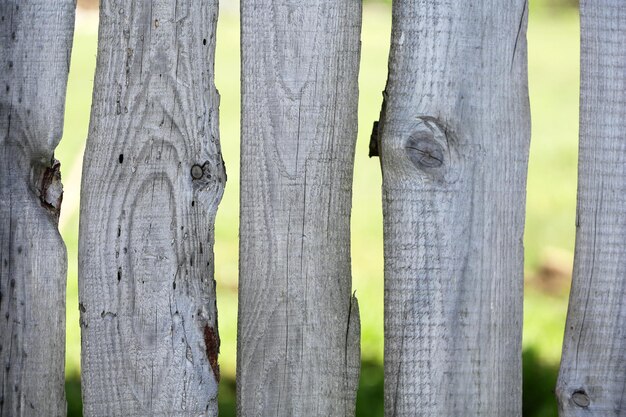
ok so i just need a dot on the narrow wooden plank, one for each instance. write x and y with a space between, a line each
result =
454 137
593 366
35 44
298 346
153 177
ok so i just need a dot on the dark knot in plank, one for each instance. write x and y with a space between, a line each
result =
424 151
197 172
581 399
426 146
49 188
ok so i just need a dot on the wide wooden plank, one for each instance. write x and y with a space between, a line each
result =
453 139
298 330
593 367
35 43
153 177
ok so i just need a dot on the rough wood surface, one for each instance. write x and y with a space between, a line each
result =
35 44
592 379
153 177
298 330
453 138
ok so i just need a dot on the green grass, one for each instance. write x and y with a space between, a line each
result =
553 69
554 85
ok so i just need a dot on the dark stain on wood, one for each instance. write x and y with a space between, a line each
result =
212 346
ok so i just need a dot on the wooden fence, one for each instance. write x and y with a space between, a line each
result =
453 141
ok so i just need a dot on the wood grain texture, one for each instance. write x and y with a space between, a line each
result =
592 379
34 66
298 329
152 179
453 138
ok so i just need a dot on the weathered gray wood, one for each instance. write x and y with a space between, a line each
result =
35 44
453 137
298 330
593 366
153 177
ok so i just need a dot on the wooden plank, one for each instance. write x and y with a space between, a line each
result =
593 366
453 138
35 44
153 177
298 329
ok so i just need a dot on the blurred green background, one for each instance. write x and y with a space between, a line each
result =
553 38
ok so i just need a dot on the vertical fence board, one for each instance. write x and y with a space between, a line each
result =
453 138
593 367
35 44
298 330
153 177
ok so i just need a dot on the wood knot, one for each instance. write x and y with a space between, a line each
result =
431 150
211 173
49 188
197 172
581 399
424 151
427 146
